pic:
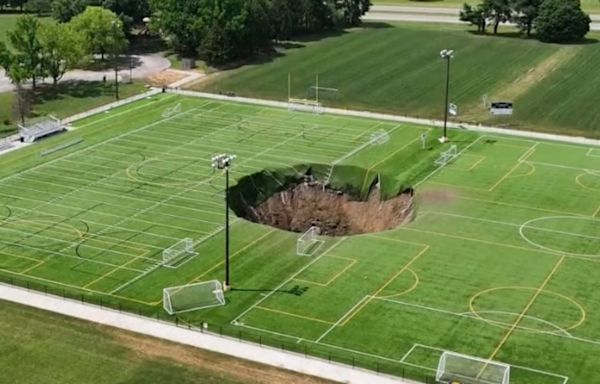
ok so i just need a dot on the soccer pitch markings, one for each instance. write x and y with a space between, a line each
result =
460 277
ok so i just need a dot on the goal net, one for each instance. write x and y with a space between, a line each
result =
305 105
175 254
192 297
454 367
309 242
322 93
447 156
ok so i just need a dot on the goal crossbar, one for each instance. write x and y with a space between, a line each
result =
305 105
467 369
309 243
193 297
175 254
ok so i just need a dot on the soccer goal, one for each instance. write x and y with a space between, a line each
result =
322 93
304 105
309 242
447 156
175 254
171 111
192 297
456 368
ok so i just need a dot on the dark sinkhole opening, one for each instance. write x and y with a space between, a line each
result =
340 200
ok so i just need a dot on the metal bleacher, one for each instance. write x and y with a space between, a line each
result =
47 127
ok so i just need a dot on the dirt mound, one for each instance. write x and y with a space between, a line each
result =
303 205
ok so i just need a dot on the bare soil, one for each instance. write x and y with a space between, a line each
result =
306 204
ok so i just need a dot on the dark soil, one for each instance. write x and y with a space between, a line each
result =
303 205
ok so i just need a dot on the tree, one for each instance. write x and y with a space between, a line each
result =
24 40
179 22
353 10
562 21
96 27
39 7
498 11
526 13
475 15
16 72
65 10
61 49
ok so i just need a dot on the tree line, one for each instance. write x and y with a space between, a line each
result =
556 21
225 30
39 50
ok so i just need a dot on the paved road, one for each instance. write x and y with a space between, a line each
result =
431 15
144 66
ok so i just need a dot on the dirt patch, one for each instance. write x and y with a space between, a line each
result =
303 205
165 78
240 370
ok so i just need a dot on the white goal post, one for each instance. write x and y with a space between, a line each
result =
173 255
309 242
305 105
447 156
457 368
192 297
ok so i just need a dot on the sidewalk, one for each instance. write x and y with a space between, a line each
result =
167 331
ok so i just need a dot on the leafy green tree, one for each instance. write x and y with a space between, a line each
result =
283 15
526 13
475 15
65 10
39 7
96 27
18 74
562 21
24 40
498 11
353 10
61 49
179 22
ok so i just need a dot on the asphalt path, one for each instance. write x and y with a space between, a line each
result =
431 15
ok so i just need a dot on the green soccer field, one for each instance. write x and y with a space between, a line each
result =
500 261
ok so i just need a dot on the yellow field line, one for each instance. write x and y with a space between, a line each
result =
477 162
408 290
116 269
397 240
334 278
519 162
385 159
293 315
37 264
458 186
523 313
232 256
596 212
371 297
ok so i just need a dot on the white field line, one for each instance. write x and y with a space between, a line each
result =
590 152
355 151
408 353
547 373
292 277
435 171
202 182
341 318
520 225
562 166
400 119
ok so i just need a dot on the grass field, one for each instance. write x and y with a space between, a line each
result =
500 261
378 68
52 343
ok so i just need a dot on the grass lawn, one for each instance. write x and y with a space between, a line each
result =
500 261
60 350
396 68
8 22
67 99
588 5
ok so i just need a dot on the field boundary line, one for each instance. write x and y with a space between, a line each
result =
523 312
519 206
401 119
596 212
294 275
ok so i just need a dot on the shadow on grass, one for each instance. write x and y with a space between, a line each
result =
75 89
124 61
521 36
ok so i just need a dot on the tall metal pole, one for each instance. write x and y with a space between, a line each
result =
446 105
227 228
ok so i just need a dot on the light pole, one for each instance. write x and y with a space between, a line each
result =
114 26
224 162
446 54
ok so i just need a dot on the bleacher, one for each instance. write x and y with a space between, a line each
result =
47 127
